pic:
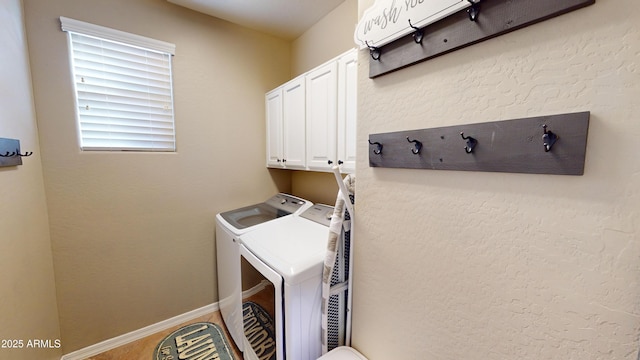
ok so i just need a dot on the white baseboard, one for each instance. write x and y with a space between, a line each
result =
115 342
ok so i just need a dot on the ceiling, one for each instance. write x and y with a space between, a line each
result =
287 19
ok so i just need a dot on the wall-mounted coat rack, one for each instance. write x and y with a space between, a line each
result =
10 154
554 144
483 20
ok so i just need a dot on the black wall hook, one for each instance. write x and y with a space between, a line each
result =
417 146
418 34
378 149
374 51
548 139
471 143
474 10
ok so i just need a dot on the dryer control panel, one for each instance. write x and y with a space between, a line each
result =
319 213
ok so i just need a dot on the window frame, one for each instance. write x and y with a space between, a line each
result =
136 42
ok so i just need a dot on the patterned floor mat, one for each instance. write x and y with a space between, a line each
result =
202 340
259 330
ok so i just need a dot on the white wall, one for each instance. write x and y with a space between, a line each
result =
28 308
474 265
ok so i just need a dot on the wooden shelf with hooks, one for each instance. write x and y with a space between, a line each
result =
493 18
515 146
10 154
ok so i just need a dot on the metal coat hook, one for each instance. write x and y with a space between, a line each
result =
548 139
474 10
417 146
471 143
374 51
378 149
418 34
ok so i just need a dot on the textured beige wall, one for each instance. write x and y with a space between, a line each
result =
328 38
133 233
492 266
28 308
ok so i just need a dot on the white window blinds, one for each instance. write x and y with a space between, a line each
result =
123 88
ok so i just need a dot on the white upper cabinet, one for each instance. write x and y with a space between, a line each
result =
322 112
347 110
285 109
273 101
311 120
293 94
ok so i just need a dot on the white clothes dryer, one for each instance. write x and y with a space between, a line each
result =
289 253
229 226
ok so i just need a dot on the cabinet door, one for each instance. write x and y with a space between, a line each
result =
347 110
273 101
321 116
294 130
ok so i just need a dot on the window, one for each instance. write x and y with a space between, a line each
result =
123 88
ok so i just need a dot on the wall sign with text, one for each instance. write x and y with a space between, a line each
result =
388 20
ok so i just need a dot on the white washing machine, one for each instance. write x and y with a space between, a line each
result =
289 253
229 226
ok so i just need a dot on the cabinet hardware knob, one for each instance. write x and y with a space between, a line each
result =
340 162
329 162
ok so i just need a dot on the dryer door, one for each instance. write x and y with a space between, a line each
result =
262 310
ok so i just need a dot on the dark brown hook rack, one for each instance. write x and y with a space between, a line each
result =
10 154
466 28
499 146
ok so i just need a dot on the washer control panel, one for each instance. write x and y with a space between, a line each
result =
287 203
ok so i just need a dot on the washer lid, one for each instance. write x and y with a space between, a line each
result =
293 246
252 215
277 206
